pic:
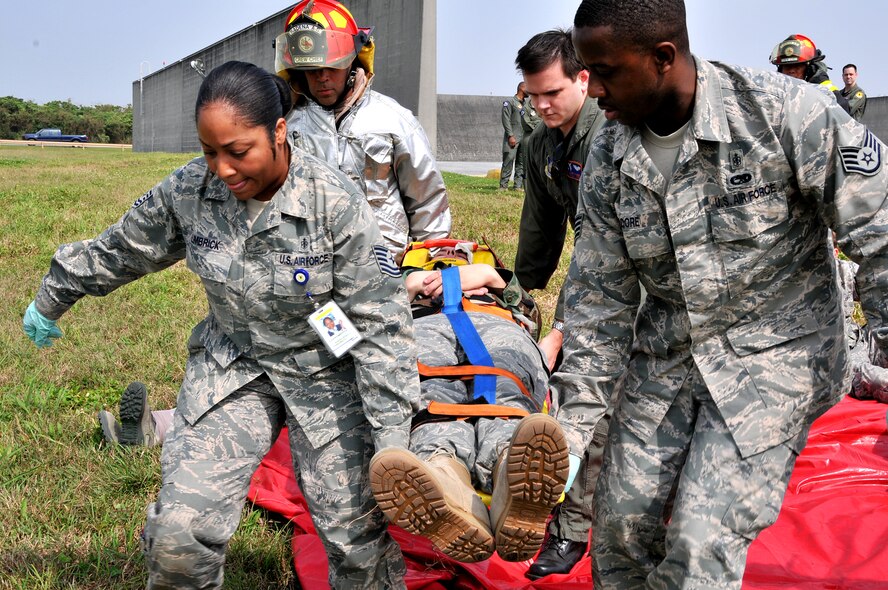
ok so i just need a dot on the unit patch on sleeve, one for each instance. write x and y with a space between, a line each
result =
865 159
574 170
385 262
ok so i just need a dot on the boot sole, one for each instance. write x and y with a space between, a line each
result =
536 470
411 498
136 426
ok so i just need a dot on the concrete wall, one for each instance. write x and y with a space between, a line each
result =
876 116
470 128
404 32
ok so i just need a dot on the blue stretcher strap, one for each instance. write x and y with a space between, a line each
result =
466 334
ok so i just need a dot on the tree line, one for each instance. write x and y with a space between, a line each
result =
104 123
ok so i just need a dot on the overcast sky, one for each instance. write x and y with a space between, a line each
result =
91 51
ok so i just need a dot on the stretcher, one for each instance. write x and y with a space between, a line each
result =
832 532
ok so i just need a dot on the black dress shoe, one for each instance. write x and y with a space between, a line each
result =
557 556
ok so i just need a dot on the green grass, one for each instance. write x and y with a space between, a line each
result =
71 506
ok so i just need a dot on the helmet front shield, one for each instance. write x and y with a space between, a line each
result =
307 47
795 49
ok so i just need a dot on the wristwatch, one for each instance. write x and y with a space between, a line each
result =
558 325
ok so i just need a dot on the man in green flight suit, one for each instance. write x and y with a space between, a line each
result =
854 93
556 153
529 121
513 132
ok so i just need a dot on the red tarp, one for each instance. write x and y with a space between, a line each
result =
832 532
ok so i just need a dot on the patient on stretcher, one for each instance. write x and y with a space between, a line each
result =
498 440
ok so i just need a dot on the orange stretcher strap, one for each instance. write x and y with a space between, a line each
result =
469 371
475 410
469 305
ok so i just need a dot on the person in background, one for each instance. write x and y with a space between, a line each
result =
529 121
869 365
275 235
713 187
853 93
556 84
798 57
514 112
376 142
556 155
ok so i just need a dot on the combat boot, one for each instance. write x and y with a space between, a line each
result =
557 556
527 483
136 422
110 427
434 499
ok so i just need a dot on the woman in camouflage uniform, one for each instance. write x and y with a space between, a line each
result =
274 235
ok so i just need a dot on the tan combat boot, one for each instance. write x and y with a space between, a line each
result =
434 499
527 483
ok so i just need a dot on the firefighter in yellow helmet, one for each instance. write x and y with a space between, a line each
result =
375 141
798 57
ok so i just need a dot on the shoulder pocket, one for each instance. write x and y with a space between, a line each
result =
644 231
378 157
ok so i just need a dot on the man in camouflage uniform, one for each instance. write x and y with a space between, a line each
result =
513 132
557 152
738 346
256 365
853 93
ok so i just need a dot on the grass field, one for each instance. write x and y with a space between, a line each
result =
71 506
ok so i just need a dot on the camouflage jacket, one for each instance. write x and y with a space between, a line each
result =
734 256
383 149
550 198
318 223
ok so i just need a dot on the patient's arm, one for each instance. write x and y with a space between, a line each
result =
475 279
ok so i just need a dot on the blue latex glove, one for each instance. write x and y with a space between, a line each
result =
39 328
572 472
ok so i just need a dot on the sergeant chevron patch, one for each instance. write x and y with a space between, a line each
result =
385 262
866 159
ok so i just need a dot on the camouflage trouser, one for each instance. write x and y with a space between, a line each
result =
478 445
690 473
206 469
